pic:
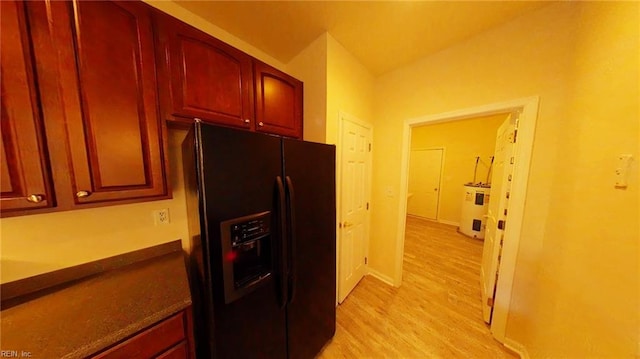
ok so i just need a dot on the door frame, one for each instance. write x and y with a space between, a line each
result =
528 109
442 160
343 116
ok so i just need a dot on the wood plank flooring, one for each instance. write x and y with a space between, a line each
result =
436 312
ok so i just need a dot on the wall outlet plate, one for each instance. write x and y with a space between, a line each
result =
161 216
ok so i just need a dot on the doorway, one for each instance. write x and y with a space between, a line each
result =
528 109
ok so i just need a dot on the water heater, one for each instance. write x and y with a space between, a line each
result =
475 204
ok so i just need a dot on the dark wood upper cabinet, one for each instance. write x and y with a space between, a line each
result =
98 86
278 101
24 180
202 77
87 87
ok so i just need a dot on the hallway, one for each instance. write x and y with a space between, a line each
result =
436 312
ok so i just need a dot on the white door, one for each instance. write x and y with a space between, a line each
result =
501 177
354 206
425 167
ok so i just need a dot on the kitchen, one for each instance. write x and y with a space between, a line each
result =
62 239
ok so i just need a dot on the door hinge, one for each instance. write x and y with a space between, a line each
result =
367 206
501 224
365 260
515 135
490 302
369 147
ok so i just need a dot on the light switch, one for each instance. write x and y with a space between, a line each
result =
624 162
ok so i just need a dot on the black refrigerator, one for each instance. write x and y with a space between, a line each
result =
262 221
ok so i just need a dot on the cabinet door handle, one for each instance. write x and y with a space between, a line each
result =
82 194
260 124
246 120
35 198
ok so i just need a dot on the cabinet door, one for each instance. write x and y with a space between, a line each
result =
205 77
159 339
24 178
103 57
278 102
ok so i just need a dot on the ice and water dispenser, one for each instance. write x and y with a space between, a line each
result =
246 254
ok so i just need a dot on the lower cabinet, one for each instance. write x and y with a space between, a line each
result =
171 338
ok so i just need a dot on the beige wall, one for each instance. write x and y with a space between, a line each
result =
310 67
349 88
462 141
587 278
576 284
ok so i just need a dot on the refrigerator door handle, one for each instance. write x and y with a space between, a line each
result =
291 211
282 233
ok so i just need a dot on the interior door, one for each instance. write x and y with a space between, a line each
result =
497 213
425 169
354 225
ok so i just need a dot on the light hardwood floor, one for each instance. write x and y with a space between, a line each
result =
436 312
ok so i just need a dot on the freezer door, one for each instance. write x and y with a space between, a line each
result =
311 201
239 191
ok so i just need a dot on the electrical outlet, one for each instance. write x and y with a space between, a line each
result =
161 216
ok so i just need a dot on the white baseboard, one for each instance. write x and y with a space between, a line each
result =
516 348
382 277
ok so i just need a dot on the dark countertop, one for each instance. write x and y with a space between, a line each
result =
82 316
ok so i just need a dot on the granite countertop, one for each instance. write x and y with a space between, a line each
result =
82 316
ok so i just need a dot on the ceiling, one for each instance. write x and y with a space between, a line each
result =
382 35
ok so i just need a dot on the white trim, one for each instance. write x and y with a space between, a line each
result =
528 107
343 116
512 233
517 348
386 279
